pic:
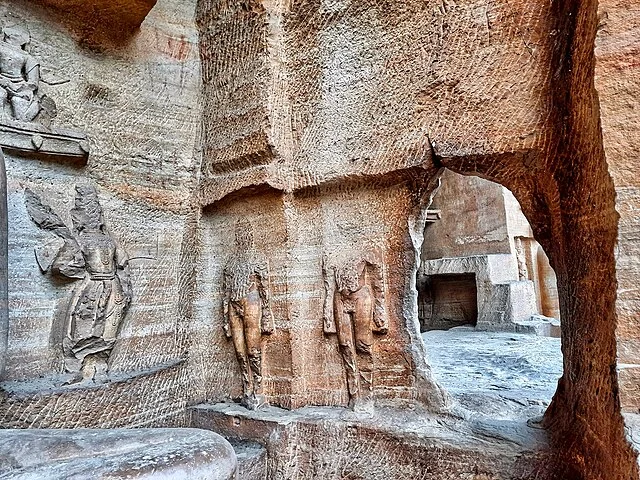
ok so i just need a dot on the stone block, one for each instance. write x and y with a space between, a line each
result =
145 454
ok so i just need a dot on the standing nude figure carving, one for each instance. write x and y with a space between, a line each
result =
247 312
99 302
354 310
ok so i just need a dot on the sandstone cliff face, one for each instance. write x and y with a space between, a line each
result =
473 219
323 126
618 84
138 104
506 93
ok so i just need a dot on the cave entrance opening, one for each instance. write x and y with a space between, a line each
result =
487 301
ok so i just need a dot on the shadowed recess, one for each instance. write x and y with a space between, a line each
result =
95 22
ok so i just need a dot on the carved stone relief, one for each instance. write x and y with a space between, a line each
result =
354 309
521 258
20 95
247 311
93 257
26 111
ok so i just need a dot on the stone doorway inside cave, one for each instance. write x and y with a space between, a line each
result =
446 301
487 302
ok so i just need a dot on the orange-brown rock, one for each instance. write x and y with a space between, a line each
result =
324 124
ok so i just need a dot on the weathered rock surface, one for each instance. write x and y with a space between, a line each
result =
334 443
4 268
252 461
618 83
323 124
150 454
138 104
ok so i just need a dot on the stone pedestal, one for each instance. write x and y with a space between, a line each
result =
334 443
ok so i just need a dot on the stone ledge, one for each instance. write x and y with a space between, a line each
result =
391 444
32 140
56 384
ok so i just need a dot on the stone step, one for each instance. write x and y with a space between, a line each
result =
390 443
252 460
540 325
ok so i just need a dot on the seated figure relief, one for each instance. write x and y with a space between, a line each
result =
20 95
247 312
354 309
89 254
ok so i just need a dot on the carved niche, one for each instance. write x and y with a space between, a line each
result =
354 310
90 255
247 311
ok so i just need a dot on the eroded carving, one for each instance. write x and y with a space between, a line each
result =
89 254
20 95
354 309
247 311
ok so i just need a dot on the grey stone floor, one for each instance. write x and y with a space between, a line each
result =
500 376
497 374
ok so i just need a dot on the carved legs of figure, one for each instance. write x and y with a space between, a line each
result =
19 105
96 311
93 368
237 334
244 320
355 337
26 107
362 325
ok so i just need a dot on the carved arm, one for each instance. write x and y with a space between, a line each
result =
328 275
69 261
123 272
32 73
264 288
376 268
225 304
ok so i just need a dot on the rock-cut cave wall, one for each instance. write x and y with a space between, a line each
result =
316 135
137 103
304 94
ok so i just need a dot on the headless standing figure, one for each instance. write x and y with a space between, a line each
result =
354 309
247 312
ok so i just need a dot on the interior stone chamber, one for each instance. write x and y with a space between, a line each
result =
238 219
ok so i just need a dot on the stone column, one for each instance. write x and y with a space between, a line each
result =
550 305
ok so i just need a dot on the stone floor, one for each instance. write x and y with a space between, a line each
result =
495 374
501 376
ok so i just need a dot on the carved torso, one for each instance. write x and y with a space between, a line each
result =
99 252
350 276
242 278
12 62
